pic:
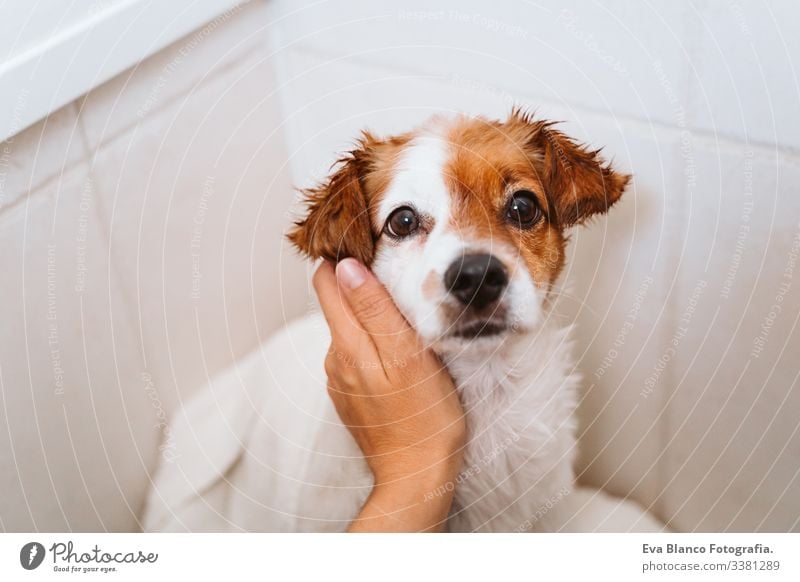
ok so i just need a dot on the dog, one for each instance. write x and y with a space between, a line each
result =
465 220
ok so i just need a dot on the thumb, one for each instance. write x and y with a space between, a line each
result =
373 307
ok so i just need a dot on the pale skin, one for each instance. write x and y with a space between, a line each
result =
397 400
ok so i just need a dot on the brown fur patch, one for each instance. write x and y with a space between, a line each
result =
338 223
491 160
579 183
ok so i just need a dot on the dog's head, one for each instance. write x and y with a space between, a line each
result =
462 219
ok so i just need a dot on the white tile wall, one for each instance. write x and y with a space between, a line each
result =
733 398
195 203
81 435
175 175
157 82
40 154
746 71
364 96
610 57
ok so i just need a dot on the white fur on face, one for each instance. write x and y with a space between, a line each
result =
413 269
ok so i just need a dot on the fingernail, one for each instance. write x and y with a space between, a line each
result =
351 273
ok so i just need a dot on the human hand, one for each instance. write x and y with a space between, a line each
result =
394 396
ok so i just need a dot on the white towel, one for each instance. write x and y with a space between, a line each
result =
250 453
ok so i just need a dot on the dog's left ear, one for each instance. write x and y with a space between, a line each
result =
337 223
579 183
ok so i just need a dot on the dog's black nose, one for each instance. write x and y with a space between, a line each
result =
476 280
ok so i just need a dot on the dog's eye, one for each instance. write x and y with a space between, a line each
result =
402 222
523 210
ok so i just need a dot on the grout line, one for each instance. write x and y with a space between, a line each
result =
41 189
87 150
53 175
191 87
719 138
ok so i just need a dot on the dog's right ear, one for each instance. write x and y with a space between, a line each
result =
337 223
577 180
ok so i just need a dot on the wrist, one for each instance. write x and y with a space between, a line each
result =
418 471
416 502
411 491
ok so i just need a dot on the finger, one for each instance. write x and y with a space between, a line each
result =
325 285
375 311
347 335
